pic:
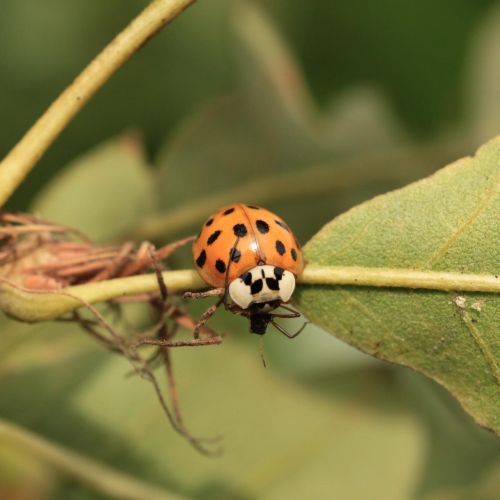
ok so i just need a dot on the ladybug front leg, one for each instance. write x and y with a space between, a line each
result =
205 317
214 292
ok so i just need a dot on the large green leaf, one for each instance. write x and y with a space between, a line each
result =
447 222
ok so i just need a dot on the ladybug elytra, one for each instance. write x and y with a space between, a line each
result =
251 255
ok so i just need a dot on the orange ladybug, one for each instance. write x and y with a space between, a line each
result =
250 255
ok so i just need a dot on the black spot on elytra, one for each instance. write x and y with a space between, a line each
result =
247 278
209 222
253 207
228 211
202 258
280 247
256 287
213 237
220 266
240 230
234 255
282 224
262 226
278 272
272 284
294 254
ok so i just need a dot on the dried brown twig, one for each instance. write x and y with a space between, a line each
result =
41 257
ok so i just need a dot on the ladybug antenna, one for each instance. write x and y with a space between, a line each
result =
261 351
287 334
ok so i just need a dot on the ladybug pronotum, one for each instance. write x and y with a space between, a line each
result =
251 255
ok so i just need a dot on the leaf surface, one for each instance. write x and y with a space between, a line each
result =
447 222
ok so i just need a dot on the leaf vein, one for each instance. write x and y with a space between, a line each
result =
369 313
349 244
460 230
478 339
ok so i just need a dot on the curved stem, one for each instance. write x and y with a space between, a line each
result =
102 478
23 157
32 306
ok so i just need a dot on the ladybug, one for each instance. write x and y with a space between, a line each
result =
249 255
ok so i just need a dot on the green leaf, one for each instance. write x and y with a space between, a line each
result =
102 193
447 222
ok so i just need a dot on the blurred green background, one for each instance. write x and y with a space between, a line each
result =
347 99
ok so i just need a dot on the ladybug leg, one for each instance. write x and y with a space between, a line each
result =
285 333
205 317
294 313
214 292
291 314
287 316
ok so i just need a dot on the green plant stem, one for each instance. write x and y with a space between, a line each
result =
100 477
33 306
23 157
400 278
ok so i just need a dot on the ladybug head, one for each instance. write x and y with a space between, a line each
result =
259 322
260 316
263 284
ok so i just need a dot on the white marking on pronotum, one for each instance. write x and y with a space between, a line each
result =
270 277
